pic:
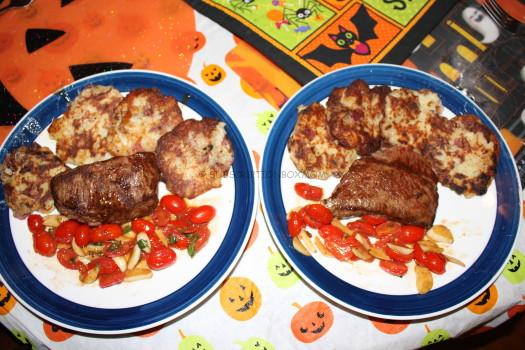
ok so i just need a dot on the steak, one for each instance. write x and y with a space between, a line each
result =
395 182
116 190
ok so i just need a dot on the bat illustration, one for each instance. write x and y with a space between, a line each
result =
348 43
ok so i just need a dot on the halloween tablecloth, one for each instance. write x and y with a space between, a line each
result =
52 43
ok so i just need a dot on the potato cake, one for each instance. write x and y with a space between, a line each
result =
355 114
194 156
82 132
313 149
140 119
26 175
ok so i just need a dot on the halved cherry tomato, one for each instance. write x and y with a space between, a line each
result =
67 258
374 219
410 234
173 203
82 235
65 232
202 214
340 252
404 258
295 224
309 192
387 228
105 264
154 240
203 236
183 225
160 217
319 213
110 279
117 248
44 244
436 262
161 258
419 255
35 222
142 225
393 267
177 240
362 227
105 232
307 219
330 232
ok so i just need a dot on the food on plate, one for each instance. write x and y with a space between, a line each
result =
313 150
408 117
463 151
373 238
26 173
464 154
81 134
111 191
355 114
140 119
194 157
111 253
397 183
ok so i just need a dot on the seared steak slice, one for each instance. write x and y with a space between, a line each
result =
111 191
397 183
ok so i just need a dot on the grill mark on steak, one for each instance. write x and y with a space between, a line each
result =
395 182
111 191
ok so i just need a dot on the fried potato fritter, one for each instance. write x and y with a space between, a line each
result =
312 148
26 175
141 118
194 157
82 132
355 114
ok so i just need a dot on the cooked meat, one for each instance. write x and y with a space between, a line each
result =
26 173
464 154
116 190
82 132
388 185
140 119
408 117
194 157
355 114
312 148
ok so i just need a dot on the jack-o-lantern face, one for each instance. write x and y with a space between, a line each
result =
194 342
515 269
255 343
312 321
281 272
485 301
56 333
264 121
240 298
7 301
213 74
435 336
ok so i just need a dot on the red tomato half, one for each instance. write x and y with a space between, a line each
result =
177 240
295 224
105 264
110 279
410 234
67 258
35 223
117 248
142 225
161 258
202 214
309 192
404 258
387 228
362 227
173 203
340 252
330 232
436 262
374 219
82 235
393 267
65 232
319 213
44 244
106 232
160 217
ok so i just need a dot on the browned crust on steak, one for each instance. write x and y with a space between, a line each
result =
116 190
194 157
26 174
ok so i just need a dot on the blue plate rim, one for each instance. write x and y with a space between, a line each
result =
360 300
170 307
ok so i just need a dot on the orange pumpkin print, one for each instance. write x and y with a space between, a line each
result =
389 326
485 302
240 298
7 301
312 321
56 333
